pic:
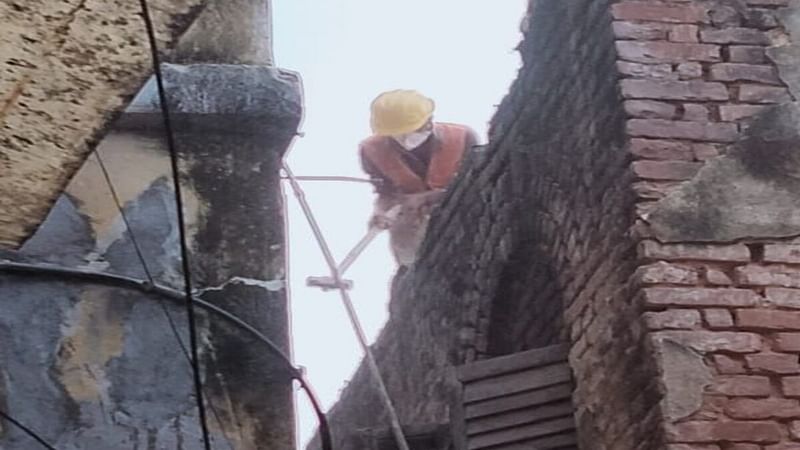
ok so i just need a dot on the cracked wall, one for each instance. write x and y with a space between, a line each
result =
94 365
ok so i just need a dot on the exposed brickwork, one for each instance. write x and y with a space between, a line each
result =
544 237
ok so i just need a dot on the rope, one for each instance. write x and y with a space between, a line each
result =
397 430
187 282
27 431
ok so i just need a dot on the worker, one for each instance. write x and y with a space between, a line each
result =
412 160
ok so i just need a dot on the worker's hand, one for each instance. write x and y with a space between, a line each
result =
381 221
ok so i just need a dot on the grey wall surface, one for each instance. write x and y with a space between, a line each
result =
92 365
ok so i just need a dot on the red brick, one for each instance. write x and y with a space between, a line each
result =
662 272
684 33
718 318
667 52
787 342
763 408
689 70
782 253
695 113
672 319
768 319
653 71
756 93
640 31
665 170
642 10
790 386
713 341
717 277
673 90
655 190
784 446
734 36
656 149
745 72
744 447
660 128
741 386
650 109
703 252
773 363
732 113
727 365
692 447
736 431
783 297
752 54
773 275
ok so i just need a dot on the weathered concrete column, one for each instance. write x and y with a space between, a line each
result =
232 126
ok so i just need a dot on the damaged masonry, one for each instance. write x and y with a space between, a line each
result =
617 269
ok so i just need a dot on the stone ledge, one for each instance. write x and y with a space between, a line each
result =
219 98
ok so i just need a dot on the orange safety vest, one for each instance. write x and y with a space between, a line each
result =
384 154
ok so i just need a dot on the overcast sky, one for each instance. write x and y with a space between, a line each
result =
458 52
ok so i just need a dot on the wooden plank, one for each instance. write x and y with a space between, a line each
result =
517 382
522 433
517 401
557 441
513 363
519 417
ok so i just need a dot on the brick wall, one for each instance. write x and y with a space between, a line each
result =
534 227
626 205
714 277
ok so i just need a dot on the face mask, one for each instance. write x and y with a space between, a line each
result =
410 141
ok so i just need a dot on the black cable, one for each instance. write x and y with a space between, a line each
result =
151 280
143 286
27 430
187 282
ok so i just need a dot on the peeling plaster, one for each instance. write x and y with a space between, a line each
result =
270 285
684 375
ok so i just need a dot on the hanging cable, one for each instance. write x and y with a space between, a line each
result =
148 274
394 421
122 281
187 282
27 430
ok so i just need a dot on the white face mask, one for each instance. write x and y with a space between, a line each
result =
410 141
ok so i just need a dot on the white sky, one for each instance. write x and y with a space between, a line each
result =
458 52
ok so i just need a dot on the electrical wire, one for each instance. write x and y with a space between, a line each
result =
394 421
187 282
122 281
27 430
148 274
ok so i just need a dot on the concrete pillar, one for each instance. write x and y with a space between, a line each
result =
232 125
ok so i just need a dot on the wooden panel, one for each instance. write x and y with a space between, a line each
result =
520 401
517 401
519 417
513 363
558 441
517 382
517 434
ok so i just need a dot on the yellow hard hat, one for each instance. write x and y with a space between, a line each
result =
399 112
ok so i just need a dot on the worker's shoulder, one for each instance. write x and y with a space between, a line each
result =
372 144
457 127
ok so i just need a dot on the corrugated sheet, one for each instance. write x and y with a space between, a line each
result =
519 401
